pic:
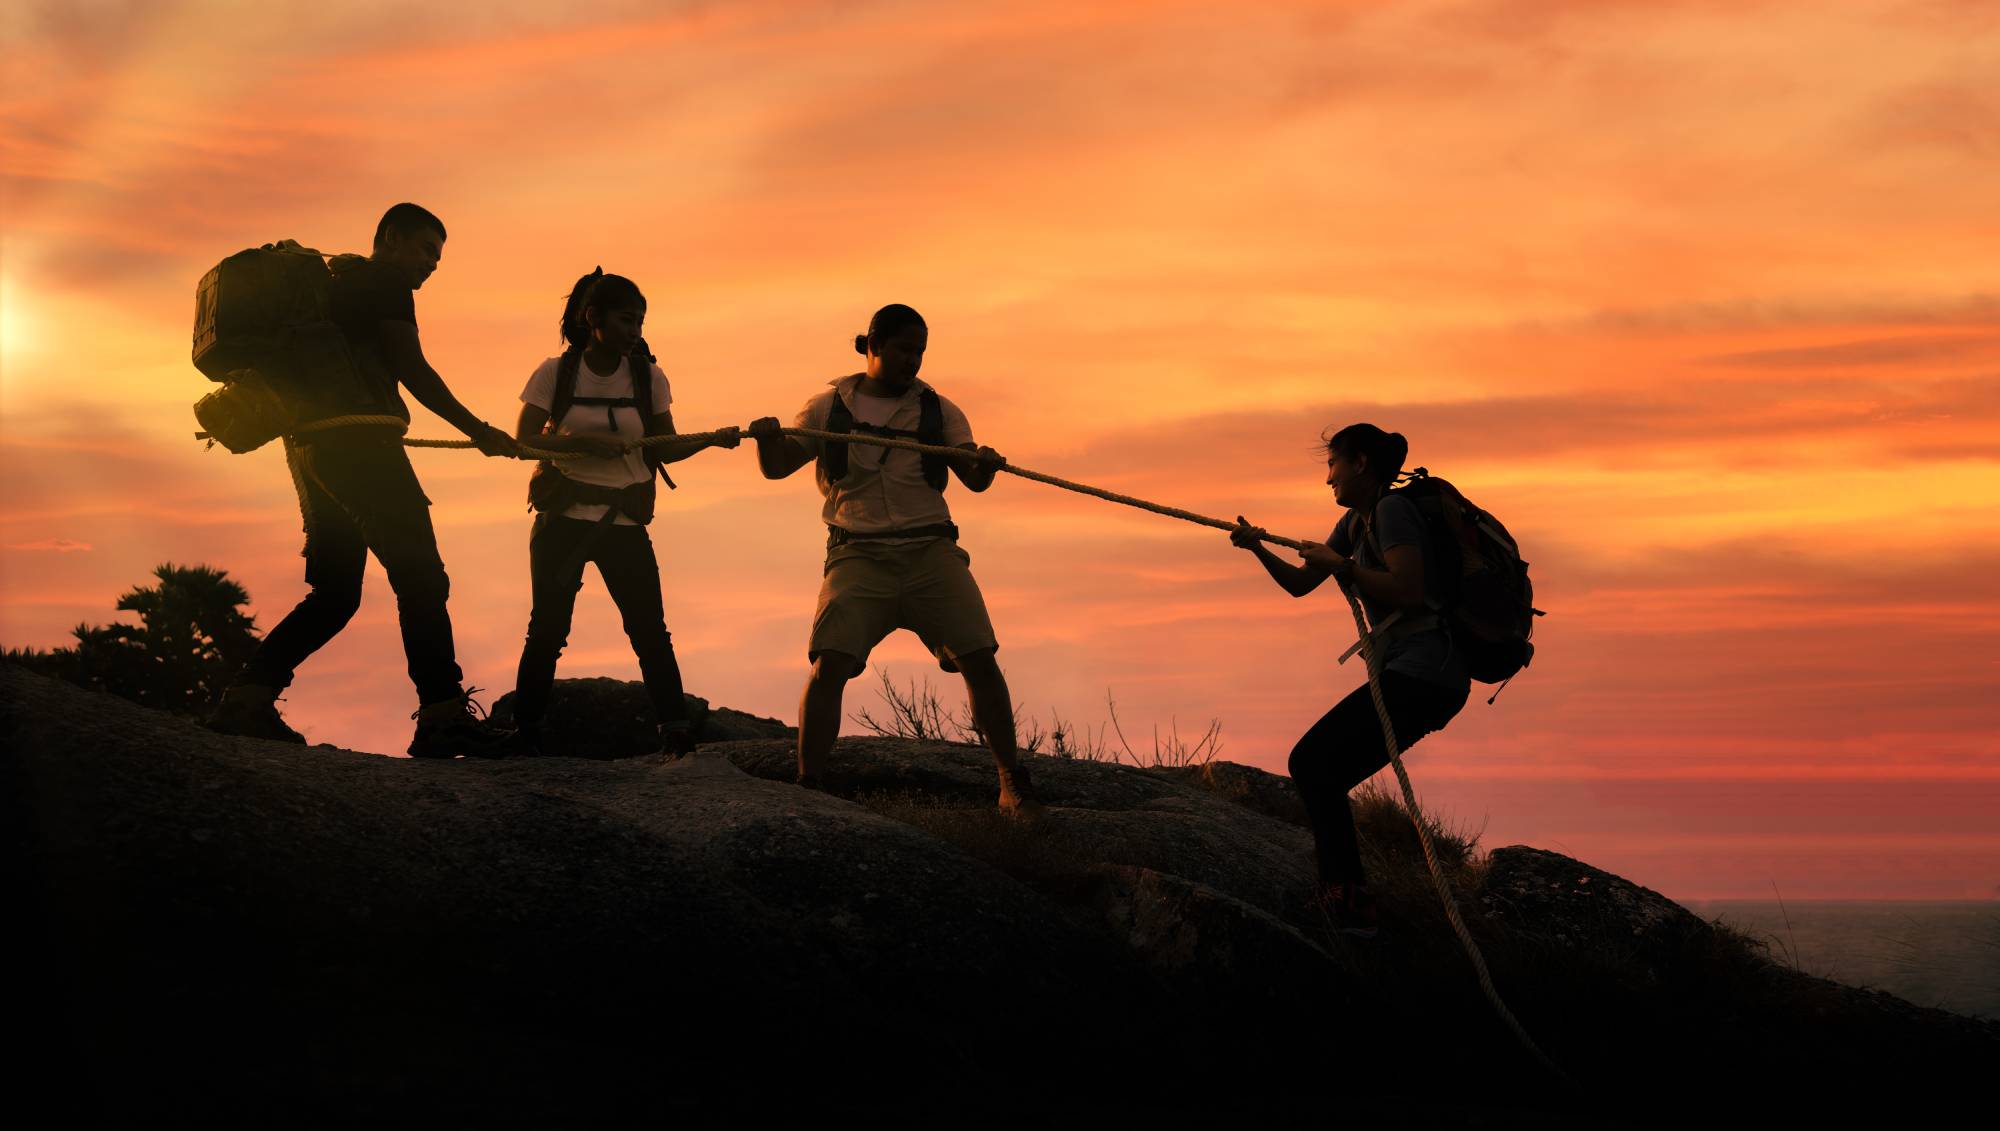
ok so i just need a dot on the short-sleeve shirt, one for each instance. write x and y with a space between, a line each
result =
884 488
1426 653
362 295
621 421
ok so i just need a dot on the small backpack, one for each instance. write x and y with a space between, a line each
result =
1475 577
261 329
550 491
930 430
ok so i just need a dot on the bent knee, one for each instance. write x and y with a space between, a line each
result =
1299 765
547 641
979 664
834 668
649 636
340 600
1310 763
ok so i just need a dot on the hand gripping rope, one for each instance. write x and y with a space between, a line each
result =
1360 626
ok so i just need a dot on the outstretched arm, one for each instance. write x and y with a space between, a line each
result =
1402 584
529 430
405 357
662 424
778 455
977 467
1298 580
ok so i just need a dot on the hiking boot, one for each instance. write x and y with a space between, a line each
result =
1349 909
458 725
676 739
1017 793
251 711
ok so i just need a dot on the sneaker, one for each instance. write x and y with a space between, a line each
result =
251 711
525 742
458 725
1350 909
1017 793
676 739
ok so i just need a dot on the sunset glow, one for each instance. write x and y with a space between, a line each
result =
1699 297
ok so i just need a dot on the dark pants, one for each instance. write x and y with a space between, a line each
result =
558 549
360 495
1344 748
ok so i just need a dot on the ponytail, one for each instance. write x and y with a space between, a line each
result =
598 290
889 321
1384 451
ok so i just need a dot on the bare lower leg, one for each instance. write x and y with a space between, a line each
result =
819 711
993 710
992 704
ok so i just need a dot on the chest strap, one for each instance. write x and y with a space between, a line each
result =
930 430
611 407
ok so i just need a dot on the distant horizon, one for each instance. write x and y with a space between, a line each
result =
1700 301
1774 901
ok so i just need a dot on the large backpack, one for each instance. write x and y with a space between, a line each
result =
930 430
261 328
1475 577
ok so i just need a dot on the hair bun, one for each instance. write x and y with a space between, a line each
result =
861 344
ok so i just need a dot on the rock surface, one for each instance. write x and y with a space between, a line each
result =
611 718
1572 905
241 931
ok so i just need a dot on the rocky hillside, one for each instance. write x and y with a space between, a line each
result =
243 931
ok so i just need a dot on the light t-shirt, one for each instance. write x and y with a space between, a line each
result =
599 420
1426 653
884 488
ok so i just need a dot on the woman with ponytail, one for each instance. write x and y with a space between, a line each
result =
1377 552
599 398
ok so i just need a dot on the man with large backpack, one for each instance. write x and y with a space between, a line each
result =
359 495
892 557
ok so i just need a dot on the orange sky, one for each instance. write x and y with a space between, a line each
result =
1697 296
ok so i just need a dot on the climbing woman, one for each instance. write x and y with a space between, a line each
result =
1377 552
600 398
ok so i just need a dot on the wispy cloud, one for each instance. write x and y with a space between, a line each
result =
1873 352
1698 297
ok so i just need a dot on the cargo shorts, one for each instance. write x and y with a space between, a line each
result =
870 589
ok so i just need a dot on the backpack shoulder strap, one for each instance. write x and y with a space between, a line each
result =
833 456
640 366
565 390
930 430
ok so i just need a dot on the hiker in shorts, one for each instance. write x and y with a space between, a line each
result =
359 495
1377 551
892 557
600 398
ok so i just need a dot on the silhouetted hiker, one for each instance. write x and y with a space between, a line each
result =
591 399
359 494
1377 548
892 557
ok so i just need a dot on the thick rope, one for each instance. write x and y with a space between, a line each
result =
529 451
838 437
1043 477
1360 626
1445 896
